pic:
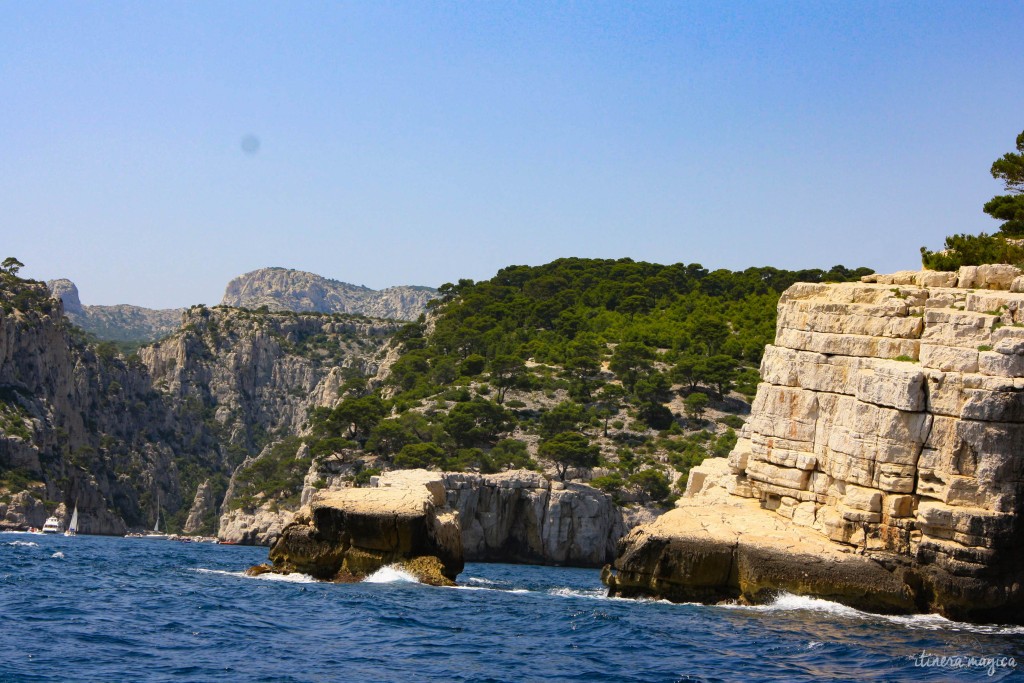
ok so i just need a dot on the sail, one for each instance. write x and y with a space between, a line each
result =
73 526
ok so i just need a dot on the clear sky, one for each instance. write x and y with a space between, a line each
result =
151 151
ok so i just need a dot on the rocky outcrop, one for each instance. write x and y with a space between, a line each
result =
521 516
203 507
348 534
121 322
262 525
282 289
886 438
22 511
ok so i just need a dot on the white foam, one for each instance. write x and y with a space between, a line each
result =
477 581
25 544
58 555
268 576
391 574
593 594
787 602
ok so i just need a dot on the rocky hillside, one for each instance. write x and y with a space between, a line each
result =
79 426
282 289
882 463
123 323
122 436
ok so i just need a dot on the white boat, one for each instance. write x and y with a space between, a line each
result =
155 534
73 526
52 526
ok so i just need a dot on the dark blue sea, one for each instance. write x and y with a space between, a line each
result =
112 609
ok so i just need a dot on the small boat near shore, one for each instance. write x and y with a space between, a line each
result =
155 534
73 526
53 526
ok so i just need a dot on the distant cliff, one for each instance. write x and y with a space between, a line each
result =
281 289
122 322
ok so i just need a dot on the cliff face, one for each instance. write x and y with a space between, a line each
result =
888 433
254 375
295 290
77 427
522 517
117 323
124 437
517 516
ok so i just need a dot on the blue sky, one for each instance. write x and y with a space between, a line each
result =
417 143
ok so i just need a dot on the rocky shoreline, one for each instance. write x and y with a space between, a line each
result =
881 466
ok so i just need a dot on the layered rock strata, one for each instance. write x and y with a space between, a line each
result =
348 534
887 436
521 516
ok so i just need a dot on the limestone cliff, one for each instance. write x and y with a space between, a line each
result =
517 516
885 441
128 438
121 322
256 374
77 426
521 516
282 289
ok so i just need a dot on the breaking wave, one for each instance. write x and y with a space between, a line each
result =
284 578
787 602
391 574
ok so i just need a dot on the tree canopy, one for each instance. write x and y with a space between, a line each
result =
1002 247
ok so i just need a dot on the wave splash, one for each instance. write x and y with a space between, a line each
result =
24 544
284 578
787 602
392 573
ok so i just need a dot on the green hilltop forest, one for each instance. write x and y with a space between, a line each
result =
582 363
1006 245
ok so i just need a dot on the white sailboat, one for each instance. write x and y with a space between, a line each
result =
155 533
73 526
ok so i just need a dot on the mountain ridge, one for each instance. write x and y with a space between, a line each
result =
277 288
301 291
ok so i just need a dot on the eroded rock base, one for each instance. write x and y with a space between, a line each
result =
349 534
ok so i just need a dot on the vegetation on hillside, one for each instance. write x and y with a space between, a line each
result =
588 366
1006 245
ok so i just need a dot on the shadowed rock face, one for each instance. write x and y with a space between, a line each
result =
522 517
351 533
887 433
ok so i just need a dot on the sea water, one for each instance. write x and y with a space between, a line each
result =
113 609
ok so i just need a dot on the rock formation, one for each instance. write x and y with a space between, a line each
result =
882 465
120 436
259 373
120 322
521 516
350 533
282 289
203 507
